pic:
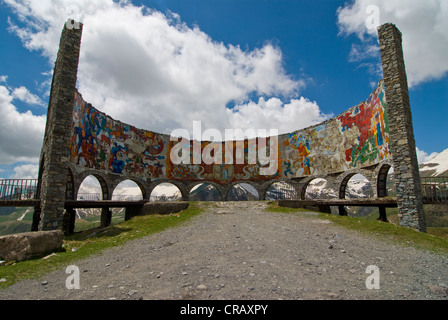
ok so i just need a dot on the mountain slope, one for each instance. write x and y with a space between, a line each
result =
437 166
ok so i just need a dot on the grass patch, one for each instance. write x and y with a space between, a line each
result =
89 242
439 232
392 232
435 240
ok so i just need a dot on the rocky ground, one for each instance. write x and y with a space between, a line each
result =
239 251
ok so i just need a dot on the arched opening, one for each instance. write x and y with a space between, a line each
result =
126 190
281 190
357 186
88 218
90 189
385 183
318 188
386 187
165 192
204 192
243 192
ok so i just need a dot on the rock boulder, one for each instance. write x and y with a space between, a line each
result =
26 245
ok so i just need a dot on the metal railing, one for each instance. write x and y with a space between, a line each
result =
18 189
99 196
165 198
90 196
435 189
127 197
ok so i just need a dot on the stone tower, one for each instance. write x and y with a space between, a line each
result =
402 143
55 152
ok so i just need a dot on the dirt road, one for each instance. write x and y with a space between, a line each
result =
237 250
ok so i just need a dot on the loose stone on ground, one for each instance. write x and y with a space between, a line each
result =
248 254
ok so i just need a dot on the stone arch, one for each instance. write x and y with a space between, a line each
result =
104 181
346 177
329 184
119 182
218 187
157 183
304 183
381 179
356 180
250 183
70 188
343 184
294 191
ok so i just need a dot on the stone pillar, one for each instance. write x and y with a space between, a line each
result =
68 224
402 143
55 154
133 211
106 217
383 213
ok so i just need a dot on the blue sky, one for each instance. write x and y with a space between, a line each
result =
161 64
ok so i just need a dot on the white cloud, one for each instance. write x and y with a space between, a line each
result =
22 133
266 114
3 78
23 94
424 26
90 185
362 52
127 189
423 156
26 171
155 72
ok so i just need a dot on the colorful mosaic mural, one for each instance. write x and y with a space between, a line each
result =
237 168
357 138
102 143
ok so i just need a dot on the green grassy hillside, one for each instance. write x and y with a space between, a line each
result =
15 220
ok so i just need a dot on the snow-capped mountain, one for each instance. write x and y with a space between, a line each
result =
318 189
357 188
437 166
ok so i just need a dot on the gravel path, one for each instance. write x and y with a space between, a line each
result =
237 250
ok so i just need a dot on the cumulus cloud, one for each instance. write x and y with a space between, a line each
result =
298 113
25 171
422 23
23 94
152 70
423 156
22 133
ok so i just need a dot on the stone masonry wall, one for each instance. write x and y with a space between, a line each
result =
402 143
383 123
355 139
55 152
